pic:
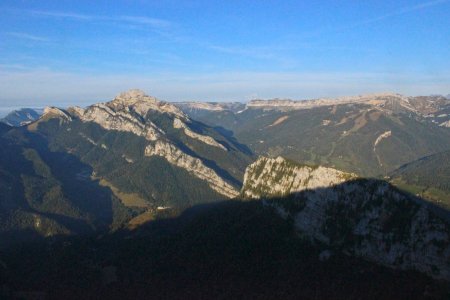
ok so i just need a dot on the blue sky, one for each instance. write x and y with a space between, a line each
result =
78 52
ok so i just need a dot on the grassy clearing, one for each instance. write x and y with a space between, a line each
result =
127 199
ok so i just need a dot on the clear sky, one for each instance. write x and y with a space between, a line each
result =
79 52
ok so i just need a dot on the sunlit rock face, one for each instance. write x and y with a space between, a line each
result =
279 177
193 165
135 112
367 218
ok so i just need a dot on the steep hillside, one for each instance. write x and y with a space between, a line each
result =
428 177
229 250
134 130
136 154
366 218
368 135
44 194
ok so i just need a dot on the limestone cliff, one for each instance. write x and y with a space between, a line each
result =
177 123
367 218
193 165
279 177
162 125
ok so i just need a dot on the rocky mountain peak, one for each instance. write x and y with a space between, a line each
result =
138 101
133 96
51 111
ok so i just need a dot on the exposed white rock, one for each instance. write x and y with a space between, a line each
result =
141 103
88 138
177 123
367 218
445 124
54 112
277 176
380 137
127 159
128 112
119 120
191 164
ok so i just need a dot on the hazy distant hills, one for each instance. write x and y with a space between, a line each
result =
371 135
21 117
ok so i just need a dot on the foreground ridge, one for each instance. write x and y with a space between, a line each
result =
364 217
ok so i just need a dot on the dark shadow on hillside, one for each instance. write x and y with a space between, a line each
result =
211 164
232 249
87 209
87 195
229 135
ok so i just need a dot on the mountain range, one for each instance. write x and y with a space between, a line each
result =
194 187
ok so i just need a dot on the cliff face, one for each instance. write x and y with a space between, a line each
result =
193 165
367 218
169 133
279 177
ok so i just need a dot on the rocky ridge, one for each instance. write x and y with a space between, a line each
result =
132 112
193 165
385 101
367 218
280 177
177 123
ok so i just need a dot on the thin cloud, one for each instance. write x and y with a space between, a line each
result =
255 52
26 36
146 21
401 11
56 14
368 21
136 20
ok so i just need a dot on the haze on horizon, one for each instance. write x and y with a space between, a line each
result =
79 52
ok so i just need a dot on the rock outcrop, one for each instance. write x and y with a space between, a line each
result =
137 113
367 218
280 177
193 165
177 123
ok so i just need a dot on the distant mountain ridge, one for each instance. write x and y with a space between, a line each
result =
21 117
370 135
393 101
